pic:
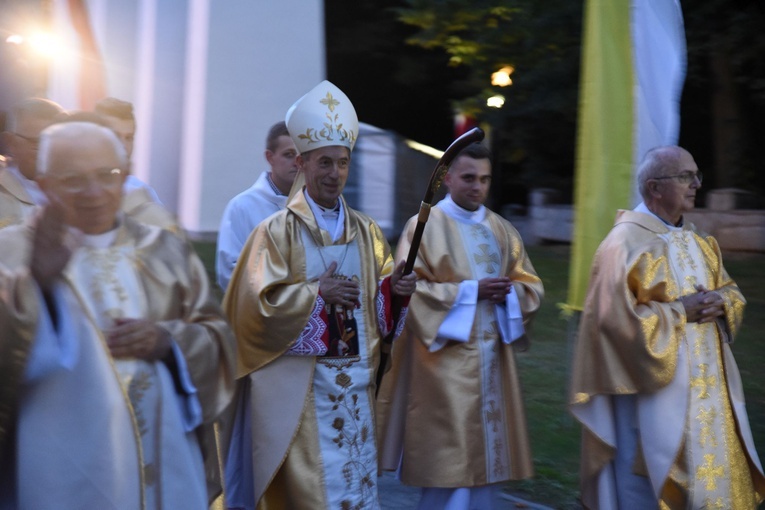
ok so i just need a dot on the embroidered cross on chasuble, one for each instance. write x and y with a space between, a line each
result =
715 470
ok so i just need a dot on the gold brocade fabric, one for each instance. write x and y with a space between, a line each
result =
17 320
631 332
15 202
140 206
269 301
432 405
177 297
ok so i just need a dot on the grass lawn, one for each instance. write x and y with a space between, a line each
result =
544 371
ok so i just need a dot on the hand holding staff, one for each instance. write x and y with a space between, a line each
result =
436 178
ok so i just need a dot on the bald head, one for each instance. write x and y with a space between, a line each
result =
669 180
659 162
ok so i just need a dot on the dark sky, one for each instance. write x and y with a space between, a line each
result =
392 85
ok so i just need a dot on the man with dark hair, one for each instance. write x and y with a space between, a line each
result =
19 192
140 200
268 195
310 301
654 382
451 407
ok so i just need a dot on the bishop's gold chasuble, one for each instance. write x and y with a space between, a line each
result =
313 427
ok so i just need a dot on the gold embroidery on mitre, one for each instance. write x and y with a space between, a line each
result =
332 128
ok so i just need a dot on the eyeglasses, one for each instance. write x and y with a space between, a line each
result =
34 141
684 177
107 178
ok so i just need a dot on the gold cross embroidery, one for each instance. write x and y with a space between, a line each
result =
485 257
703 381
479 232
709 472
493 415
330 101
491 332
707 417
700 344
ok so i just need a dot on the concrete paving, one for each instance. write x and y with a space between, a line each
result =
395 496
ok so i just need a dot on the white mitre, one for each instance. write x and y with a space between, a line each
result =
323 117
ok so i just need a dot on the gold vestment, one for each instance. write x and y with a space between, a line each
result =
269 302
177 296
431 403
634 340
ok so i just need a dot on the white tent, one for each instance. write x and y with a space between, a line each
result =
388 177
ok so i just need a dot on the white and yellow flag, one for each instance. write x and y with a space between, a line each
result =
633 68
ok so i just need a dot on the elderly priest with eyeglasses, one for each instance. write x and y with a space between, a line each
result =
654 382
115 358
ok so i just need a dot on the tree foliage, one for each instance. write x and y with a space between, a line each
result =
723 108
534 132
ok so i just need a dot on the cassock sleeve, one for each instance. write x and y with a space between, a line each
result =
205 340
631 324
269 304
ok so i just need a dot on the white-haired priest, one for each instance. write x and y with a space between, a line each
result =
309 301
114 357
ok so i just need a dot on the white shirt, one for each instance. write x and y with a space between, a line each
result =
243 213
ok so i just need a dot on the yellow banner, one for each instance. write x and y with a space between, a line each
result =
605 134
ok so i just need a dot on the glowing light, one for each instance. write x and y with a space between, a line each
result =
45 45
497 101
502 77
14 39
426 149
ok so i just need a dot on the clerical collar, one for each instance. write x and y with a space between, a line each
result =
98 240
276 190
451 208
29 185
331 220
642 208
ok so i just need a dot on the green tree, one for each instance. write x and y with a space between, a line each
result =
724 97
534 132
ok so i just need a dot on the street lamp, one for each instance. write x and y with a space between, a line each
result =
502 78
496 101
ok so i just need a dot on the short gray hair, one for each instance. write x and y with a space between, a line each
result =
72 132
657 162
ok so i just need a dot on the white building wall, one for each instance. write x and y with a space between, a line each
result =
207 79
262 56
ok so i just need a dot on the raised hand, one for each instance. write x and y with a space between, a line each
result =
50 254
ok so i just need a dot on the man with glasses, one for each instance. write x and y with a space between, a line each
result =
654 381
18 192
115 357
